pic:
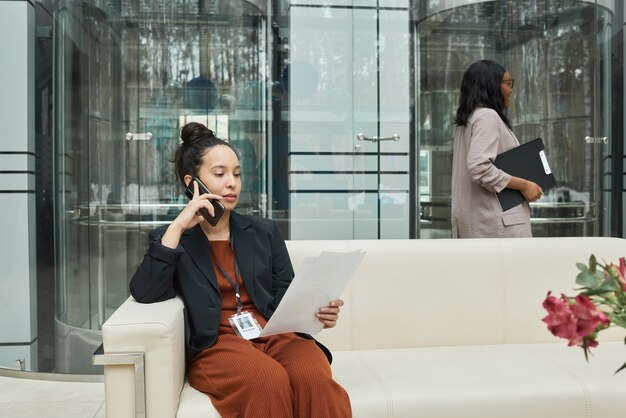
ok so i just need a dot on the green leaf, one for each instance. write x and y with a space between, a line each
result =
581 266
587 279
620 321
620 369
592 263
592 293
595 281
586 349
607 284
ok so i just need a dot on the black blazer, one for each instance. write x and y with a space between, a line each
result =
187 270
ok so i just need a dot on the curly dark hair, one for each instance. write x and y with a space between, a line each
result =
196 139
481 87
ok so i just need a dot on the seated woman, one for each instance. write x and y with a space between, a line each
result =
232 273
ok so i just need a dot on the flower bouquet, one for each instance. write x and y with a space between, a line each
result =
600 303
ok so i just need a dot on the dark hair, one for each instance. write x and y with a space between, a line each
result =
481 86
196 140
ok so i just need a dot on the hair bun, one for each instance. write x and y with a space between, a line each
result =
194 131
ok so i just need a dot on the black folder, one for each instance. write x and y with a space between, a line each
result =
529 162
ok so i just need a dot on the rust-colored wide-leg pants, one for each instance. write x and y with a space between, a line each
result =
280 376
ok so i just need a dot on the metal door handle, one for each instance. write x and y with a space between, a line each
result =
138 137
394 137
596 139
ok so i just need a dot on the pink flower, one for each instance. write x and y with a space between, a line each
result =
561 322
574 321
588 317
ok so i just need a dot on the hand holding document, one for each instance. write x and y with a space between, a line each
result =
318 281
529 162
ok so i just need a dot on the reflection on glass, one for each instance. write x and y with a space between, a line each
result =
556 53
141 66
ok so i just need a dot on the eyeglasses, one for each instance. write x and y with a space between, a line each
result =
510 82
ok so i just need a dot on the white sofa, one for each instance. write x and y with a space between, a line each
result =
430 328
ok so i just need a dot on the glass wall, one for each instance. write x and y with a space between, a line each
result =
341 110
558 54
129 75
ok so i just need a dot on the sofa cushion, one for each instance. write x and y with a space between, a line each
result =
195 404
493 381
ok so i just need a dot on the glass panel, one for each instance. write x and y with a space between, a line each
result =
319 77
602 143
394 104
551 50
139 67
349 78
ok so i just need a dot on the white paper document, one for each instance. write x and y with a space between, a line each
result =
318 281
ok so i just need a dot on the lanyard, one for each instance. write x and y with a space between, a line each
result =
233 283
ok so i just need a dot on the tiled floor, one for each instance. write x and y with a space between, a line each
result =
30 398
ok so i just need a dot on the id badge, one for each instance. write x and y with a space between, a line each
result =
245 325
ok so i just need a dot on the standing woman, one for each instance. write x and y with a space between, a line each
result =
483 131
232 275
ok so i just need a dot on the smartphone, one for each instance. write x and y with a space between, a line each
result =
218 207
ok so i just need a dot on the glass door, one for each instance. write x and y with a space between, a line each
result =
601 141
130 74
349 88
382 120
559 55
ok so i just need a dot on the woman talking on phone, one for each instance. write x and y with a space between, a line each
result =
231 273
484 131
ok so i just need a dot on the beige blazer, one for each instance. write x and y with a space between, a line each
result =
476 212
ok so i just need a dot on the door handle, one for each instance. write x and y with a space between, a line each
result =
361 137
597 139
138 137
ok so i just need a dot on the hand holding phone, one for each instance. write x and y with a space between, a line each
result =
218 207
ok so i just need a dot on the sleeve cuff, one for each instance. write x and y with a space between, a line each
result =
165 254
502 183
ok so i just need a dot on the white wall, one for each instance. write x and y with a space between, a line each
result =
18 313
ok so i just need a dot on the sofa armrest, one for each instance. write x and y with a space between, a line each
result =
126 359
156 330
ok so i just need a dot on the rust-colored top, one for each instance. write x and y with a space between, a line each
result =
223 252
